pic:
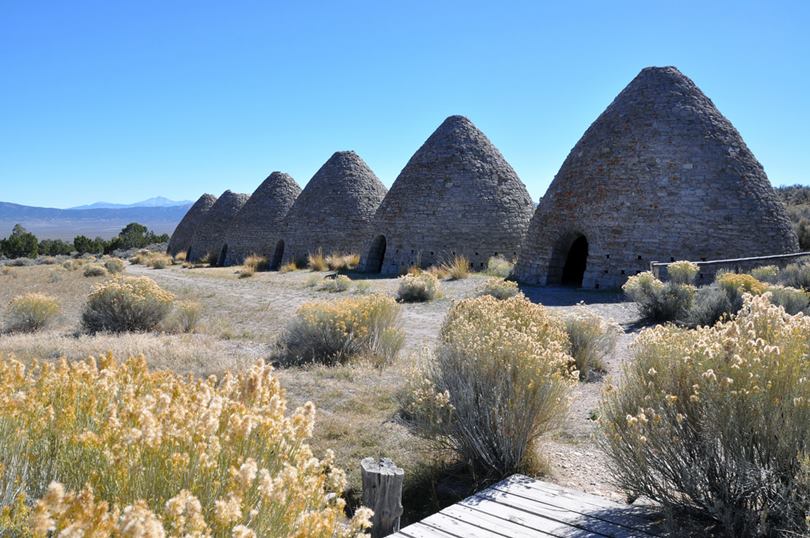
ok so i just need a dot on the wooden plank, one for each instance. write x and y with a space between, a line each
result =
515 526
600 509
462 529
420 530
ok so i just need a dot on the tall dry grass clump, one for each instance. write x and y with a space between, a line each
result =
457 269
183 318
497 382
31 312
342 262
288 267
338 331
317 262
150 453
592 339
418 288
715 422
255 263
126 304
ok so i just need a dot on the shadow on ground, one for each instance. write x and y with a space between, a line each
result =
562 296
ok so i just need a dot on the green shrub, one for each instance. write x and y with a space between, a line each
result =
500 289
715 422
796 276
94 270
457 269
766 273
592 340
418 288
497 266
682 272
791 299
337 284
497 383
710 305
114 265
31 312
335 332
658 301
126 304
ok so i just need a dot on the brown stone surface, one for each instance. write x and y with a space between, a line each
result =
183 234
333 211
660 175
258 226
456 196
210 234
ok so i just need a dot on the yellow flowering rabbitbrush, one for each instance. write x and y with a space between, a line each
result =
716 421
498 381
119 450
126 304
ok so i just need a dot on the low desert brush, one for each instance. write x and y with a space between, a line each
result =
183 318
592 339
159 260
337 331
31 312
682 272
457 269
658 301
791 299
715 422
497 382
94 270
114 265
126 304
500 289
498 266
796 276
766 273
102 448
418 288
317 262
337 284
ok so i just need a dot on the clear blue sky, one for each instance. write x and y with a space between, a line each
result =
124 100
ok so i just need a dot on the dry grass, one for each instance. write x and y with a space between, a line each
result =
458 268
317 262
94 270
342 262
288 267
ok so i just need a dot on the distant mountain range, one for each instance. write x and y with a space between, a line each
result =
161 216
157 201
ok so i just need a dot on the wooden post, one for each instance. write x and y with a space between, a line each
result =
382 492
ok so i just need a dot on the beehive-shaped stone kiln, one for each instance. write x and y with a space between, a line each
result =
257 228
661 175
456 196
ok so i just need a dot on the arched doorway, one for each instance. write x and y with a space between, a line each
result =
278 255
223 255
575 262
376 255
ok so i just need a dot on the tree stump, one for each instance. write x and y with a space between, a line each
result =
382 492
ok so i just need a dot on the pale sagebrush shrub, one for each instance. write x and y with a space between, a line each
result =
658 301
21 262
715 422
499 288
31 312
114 265
317 262
497 383
791 299
94 270
735 285
126 304
682 272
152 453
457 269
184 317
498 266
363 287
418 288
336 332
140 258
766 273
592 339
336 285
710 305
796 276
47 260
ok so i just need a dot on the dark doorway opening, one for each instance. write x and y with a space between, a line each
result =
278 255
223 255
575 262
376 255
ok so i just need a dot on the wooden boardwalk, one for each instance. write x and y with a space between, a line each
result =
521 507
